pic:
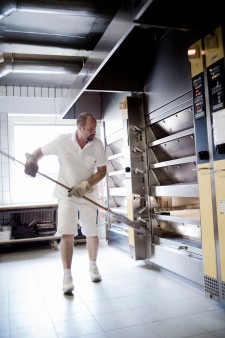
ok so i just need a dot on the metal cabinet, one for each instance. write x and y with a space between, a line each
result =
127 177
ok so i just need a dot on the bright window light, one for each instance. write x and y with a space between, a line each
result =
26 138
26 134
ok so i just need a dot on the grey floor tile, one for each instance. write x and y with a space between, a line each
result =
106 306
133 299
4 310
97 294
194 305
156 313
119 319
130 289
67 312
4 298
180 327
140 331
26 319
211 320
24 295
37 331
219 334
97 335
78 327
4 334
4 323
24 305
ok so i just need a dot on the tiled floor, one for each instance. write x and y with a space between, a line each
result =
133 300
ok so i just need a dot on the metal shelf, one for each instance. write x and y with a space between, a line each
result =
118 230
180 244
178 190
117 172
188 159
120 210
113 157
172 137
118 135
176 219
118 191
32 239
29 209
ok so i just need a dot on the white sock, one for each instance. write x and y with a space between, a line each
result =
67 272
92 263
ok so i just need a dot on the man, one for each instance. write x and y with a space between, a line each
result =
82 164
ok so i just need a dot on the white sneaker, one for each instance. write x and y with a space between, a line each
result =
68 284
94 274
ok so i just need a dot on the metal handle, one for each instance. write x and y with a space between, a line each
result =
142 209
142 220
183 247
140 171
136 128
217 171
211 170
137 149
199 169
137 197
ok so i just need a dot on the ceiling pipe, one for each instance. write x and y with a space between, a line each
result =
5 68
8 64
7 46
95 8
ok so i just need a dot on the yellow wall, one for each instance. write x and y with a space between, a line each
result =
219 167
207 225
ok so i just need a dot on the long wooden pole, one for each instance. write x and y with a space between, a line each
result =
139 228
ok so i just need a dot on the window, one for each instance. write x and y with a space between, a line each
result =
25 135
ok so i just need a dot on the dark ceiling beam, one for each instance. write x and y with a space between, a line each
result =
167 26
118 29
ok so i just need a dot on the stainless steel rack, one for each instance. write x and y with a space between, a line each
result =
173 186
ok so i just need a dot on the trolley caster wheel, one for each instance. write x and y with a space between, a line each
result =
54 245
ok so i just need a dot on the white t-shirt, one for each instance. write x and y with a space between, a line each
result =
75 164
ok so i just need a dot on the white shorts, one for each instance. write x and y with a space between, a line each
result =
68 217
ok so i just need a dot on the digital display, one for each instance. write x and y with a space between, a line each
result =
215 75
198 96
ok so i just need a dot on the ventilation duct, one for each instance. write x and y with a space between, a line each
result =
97 8
9 64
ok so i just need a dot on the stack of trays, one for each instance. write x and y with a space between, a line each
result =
45 229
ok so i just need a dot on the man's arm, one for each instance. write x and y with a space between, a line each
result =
31 166
98 176
87 186
37 154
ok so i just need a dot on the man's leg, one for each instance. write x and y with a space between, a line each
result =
67 227
66 249
92 247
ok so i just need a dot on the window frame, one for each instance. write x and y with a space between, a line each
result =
30 120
